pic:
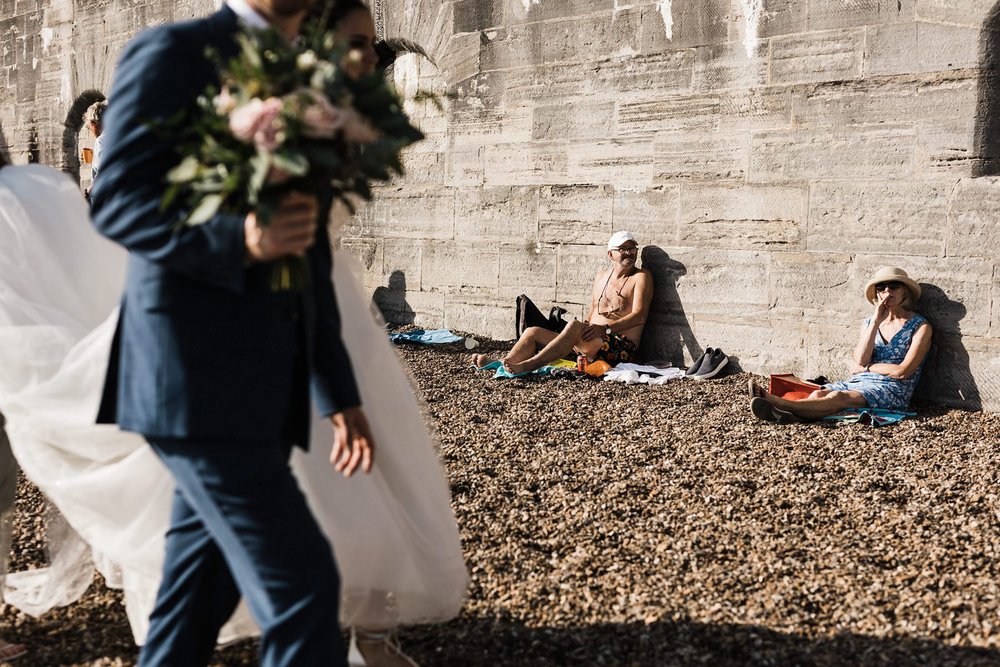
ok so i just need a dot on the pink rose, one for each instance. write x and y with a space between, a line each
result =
320 119
224 101
259 122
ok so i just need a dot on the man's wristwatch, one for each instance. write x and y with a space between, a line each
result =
607 330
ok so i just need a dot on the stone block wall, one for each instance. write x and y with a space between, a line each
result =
52 53
769 161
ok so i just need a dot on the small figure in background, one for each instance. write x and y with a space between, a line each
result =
93 119
620 298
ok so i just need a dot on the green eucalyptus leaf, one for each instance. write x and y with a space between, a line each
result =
207 208
265 210
169 196
325 155
186 171
261 163
295 164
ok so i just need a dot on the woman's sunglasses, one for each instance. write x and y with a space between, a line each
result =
882 287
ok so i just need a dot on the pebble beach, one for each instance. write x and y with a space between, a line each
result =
612 524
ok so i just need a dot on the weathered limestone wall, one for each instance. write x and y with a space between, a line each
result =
768 177
52 52
769 161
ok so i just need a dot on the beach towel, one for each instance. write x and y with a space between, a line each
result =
502 373
873 416
425 337
637 374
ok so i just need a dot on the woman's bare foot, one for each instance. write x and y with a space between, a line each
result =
518 367
756 391
480 360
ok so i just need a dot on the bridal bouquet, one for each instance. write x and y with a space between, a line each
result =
302 116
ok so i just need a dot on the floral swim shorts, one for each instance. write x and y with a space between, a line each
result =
617 349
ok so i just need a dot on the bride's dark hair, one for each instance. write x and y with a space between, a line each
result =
326 14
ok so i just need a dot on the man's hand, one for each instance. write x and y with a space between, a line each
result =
592 331
292 229
352 441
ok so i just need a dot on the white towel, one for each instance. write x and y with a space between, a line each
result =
636 374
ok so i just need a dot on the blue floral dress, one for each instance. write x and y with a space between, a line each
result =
881 391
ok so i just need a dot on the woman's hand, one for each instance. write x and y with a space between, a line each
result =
881 311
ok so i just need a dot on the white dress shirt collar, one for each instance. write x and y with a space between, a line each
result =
247 14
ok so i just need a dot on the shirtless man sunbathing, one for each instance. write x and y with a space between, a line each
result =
619 305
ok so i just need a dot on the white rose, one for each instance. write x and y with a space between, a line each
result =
325 72
306 60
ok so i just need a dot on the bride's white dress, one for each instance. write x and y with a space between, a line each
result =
393 532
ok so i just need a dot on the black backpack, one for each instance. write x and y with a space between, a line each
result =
526 314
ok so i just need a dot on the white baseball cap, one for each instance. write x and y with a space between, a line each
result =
619 238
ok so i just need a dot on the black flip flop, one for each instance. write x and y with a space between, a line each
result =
762 409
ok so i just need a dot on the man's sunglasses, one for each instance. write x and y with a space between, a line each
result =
882 287
627 251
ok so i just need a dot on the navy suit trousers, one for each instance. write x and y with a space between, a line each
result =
241 525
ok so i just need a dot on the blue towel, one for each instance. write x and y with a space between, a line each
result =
492 366
873 416
502 372
427 337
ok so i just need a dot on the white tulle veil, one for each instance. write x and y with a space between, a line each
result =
393 532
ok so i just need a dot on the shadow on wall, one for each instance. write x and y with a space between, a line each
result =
71 131
667 332
391 301
4 147
946 377
987 137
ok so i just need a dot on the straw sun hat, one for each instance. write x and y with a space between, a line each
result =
891 274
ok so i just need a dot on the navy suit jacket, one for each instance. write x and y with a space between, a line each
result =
205 349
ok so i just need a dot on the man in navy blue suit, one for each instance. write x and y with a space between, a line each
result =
215 368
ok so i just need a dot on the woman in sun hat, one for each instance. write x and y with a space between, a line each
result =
886 361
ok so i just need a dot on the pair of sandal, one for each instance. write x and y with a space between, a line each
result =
765 410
